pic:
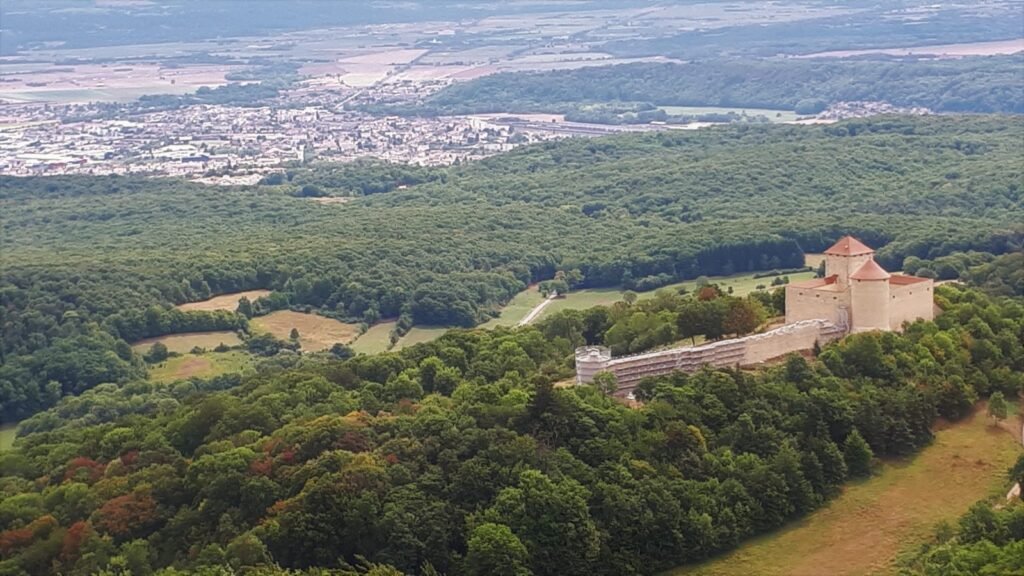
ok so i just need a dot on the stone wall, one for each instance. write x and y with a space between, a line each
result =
909 302
814 304
746 351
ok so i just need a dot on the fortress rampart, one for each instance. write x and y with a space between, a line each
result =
746 351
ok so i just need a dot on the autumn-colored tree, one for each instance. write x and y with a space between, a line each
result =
126 515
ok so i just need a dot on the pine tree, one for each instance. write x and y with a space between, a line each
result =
857 454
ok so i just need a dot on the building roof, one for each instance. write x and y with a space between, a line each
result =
849 246
870 271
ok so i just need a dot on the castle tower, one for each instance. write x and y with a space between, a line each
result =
589 361
845 257
870 298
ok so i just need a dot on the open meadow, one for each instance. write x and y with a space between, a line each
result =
7 435
204 365
741 284
316 333
223 302
863 530
183 343
376 339
517 308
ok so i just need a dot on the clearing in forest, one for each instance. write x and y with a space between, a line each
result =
316 333
200 366
184 343
7 434
376 339
863 530
741 284
517 308
223 302
420 334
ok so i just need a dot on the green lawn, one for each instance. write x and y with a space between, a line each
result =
375 340
200 365
7 434
742 284
517 308
773 115
863 530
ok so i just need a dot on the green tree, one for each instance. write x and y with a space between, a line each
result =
997 407
244 307
493 550
606 382
857 454
157 353
629 297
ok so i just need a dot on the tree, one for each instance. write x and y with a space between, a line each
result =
294 334
157 353
997 407
244 307
629 297
857 454
494 550
606 382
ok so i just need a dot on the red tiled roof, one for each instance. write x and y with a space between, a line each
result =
903 279
848 246
870 271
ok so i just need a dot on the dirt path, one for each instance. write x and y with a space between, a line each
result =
536 311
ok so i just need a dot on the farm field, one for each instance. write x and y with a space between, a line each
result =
200 365
420 334
7 434
742 284
517 308
223 302
375 340
864 529
773 115
184 343
316 333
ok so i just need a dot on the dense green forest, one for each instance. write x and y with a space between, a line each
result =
92 263
460 457
977 84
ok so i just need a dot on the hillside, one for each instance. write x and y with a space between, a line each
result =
978 84
93 263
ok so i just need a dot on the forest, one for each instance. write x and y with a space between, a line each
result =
976 84
462 457
93 263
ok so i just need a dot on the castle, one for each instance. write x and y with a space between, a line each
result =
858 293
855 295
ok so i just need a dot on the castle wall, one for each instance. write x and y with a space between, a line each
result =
910 302
746 351
870 305
812 304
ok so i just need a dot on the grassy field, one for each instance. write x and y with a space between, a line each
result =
315 332
224 301
418 334
517 308
813 260
742 284
183 343
773 115
7 433
865 528
375 340
201 366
